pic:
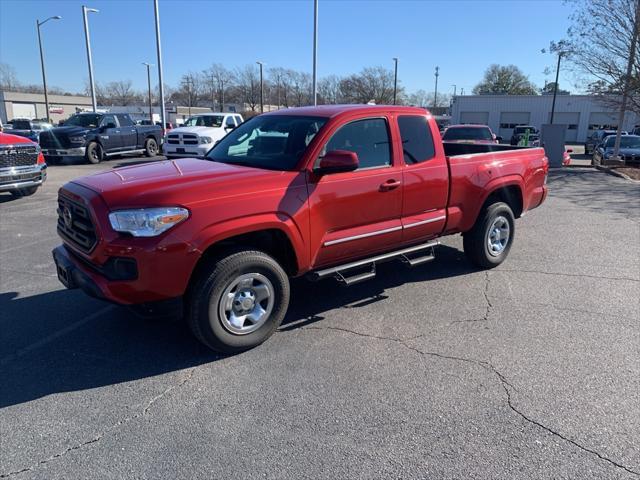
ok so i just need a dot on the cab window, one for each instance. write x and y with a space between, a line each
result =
368 138
417 142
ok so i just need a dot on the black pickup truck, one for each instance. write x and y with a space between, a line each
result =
96 136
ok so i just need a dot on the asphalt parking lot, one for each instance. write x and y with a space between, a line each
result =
531 370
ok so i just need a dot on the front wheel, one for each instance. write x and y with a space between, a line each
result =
150 147
237 302
488 243
94 153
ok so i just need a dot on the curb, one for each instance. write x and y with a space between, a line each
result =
611 171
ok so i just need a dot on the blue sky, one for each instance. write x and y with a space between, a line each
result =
461 37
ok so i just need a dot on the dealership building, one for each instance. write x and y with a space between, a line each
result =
32 105
582 114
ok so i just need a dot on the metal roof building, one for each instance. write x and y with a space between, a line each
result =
582 114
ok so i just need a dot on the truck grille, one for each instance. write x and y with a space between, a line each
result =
632 159
75 224
18 156
182 139
50 140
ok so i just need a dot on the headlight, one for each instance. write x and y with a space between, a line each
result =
204 140
76 139
147 222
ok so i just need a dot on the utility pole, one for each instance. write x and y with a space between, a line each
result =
627 81
222 94
188 81
213 92
44 76
159 51
261 88
149 65
395 79
461 91
315 52
278 88
87 39
454 89
435 95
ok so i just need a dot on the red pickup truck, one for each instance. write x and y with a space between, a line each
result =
325 191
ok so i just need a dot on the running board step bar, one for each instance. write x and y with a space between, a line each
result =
412 256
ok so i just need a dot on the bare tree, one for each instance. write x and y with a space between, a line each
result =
600 39
301 88
248 86
8 78
329 90
504 80
220 80
372 84
121 92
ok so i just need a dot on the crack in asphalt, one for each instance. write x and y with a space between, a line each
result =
578 275
503 382
101 435
487 300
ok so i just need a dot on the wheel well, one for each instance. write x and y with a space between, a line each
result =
273 242
511 195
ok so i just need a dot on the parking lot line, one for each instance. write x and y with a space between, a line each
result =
25 245
53 336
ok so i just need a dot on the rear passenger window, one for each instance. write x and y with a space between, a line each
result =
230 122
124 120
417 142
368 138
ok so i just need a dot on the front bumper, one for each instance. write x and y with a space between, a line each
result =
16 178
181 151
64 152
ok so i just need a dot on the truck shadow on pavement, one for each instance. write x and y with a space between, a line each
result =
46 350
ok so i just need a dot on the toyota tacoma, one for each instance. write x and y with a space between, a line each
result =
324 192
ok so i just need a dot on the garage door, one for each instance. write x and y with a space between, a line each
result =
481 118
571 120
24 110
603 120
510 120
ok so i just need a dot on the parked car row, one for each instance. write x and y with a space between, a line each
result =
629 150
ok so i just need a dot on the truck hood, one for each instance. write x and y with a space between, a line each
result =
196 130
178 182
68 131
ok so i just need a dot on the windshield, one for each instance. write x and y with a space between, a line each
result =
21 125
274 142
522 130
625 142
204 121
90 120
467 133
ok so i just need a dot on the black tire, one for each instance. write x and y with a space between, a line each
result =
24 192
476 241
150 147
94 153
207 291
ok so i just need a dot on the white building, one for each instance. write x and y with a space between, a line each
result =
31 105
581 113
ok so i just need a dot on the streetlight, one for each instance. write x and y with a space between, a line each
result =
149 65
435 94
86 10
555 47
315 52
395 79
159 51
261 89
44 76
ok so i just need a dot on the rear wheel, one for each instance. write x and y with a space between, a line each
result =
237 302
488 243
94 153
150 147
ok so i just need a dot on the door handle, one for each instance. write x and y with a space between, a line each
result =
390 185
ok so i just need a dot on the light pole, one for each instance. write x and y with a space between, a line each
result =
44 76
435 94
261 89
149 65
87 38
315 52
555 89
159 50
395 79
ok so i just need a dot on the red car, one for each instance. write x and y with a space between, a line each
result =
324 192
22 165
470 134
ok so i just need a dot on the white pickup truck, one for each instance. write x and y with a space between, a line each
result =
199 134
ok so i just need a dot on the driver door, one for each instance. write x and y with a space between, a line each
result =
110 135
355 214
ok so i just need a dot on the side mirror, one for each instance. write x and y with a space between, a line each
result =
228 128
337 161
498 138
